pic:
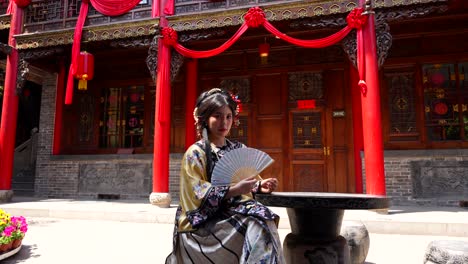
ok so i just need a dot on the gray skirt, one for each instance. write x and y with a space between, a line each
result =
238 239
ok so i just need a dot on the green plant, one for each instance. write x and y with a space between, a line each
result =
11 228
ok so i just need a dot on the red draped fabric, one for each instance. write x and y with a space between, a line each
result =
106 7
255 17
76 50
209 53
114 7
314 43
361 62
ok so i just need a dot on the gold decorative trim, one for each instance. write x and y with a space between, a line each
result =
90 34
189 22
4 22
273 12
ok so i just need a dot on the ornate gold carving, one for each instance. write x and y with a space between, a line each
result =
4 22
92 33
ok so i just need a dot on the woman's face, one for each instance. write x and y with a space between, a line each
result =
220 122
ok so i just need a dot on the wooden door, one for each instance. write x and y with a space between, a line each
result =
308 150
269 126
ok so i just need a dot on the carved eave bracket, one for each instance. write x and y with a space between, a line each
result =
23 74
5 21
24 66
382 29
177 60
5 48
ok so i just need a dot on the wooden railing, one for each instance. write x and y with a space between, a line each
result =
50 15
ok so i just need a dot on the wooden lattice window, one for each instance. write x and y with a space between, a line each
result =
402 106
122 118
445 101
307 130
240 133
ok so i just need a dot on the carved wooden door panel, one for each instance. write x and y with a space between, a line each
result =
269 126
308 151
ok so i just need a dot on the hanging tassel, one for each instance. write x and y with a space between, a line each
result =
205 133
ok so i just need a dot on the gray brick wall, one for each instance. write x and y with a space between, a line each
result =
400 178
59 176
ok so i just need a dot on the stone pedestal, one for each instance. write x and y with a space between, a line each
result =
315 220
357 237
162 200
446 252
6 196
305 250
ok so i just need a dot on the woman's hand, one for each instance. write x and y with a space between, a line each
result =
242 187
268 185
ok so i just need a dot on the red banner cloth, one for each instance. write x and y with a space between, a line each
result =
255 17
106 7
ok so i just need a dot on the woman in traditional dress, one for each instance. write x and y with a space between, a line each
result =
221 224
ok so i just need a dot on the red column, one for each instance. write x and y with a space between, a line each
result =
162 127
10 104
59 99
190 98
357 127
371 116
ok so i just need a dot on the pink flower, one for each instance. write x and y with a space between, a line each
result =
8 230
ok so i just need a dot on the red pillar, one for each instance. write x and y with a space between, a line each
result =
371 115
59 99
162 119
357 127
10 104
190 98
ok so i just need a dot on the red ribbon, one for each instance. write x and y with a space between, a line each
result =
169 36
356 19
255 17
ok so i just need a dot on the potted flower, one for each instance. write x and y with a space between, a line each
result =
6 240
12 231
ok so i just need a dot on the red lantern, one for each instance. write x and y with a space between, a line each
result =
264 49
22 3
85 70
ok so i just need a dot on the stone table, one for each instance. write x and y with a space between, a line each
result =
315 220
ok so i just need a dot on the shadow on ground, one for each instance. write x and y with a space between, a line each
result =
27 252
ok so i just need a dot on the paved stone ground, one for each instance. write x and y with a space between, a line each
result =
69 241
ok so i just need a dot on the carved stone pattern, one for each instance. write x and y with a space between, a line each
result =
305 85
239 87
446 251
23 72
5 48
435 179
121 178
177 60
